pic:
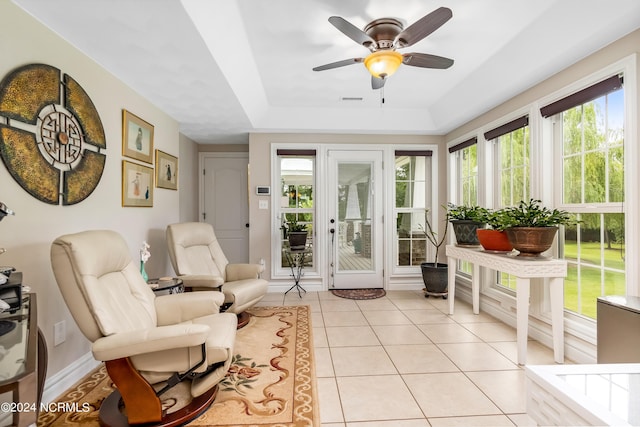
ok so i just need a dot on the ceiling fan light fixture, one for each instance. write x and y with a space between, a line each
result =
383 63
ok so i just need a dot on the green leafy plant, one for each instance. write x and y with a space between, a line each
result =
294 226
497 219
533 214
463 212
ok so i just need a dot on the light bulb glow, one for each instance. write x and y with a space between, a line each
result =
383 63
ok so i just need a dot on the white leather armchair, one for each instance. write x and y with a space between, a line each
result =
198 260
148 343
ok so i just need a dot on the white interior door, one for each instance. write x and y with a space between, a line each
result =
224 202
355 216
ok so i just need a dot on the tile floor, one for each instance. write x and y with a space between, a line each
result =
401 361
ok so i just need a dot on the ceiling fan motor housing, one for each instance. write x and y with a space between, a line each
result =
384 31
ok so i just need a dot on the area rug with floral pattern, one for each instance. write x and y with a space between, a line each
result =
271 381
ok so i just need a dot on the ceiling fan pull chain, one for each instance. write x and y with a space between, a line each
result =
381 96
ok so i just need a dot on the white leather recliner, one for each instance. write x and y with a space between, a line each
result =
198 260
149 343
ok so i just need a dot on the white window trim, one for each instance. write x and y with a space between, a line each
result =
409 271
627 67
499 302
279 272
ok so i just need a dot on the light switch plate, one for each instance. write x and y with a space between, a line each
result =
263 204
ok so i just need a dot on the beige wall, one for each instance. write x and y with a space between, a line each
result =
260 174
28 235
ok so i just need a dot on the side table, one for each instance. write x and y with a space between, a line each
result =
166 285
524 269
24 365
296 259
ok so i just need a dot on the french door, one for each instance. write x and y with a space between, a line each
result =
355 219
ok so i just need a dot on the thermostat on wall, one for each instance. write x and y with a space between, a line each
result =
263 190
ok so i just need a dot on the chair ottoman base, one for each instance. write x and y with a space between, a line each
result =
112 411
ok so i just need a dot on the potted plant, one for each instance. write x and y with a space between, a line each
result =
297 234
465 220
532 227
434 274
494 238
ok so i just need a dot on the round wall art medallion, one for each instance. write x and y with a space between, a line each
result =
51 137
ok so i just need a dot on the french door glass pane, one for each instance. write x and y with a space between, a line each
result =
354 199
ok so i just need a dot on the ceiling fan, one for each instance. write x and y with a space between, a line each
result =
383 36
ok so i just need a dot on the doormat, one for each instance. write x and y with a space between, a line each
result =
372 293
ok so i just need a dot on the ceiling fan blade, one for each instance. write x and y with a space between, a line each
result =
425 60
377 83
351 31
423 27
337 64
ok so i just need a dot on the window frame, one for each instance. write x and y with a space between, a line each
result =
276 259
582 207
456 152
496 194
575 323
581 333
406 275
396 211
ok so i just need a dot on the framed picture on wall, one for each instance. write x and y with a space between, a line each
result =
137 185
137 137
166 170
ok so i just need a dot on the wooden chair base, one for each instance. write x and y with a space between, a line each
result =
112 411
243 319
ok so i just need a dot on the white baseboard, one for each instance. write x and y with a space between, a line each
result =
57 384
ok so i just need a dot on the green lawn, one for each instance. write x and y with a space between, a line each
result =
592 278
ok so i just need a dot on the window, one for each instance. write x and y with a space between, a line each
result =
411 194
468 161
466 190
297 182
511 157
589 137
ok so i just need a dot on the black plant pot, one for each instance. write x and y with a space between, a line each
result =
435 278
297 240
465 231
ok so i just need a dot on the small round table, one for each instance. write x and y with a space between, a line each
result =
166 285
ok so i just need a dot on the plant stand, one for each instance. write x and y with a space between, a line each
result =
524 269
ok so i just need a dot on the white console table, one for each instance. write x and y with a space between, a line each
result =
525 269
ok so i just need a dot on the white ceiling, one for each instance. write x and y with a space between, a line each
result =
246 65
